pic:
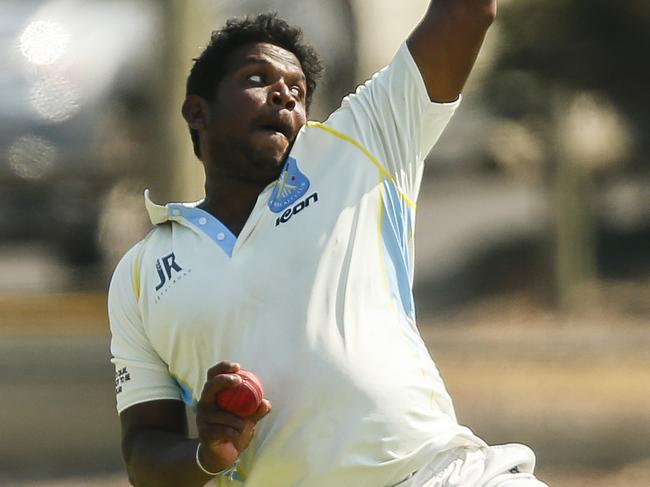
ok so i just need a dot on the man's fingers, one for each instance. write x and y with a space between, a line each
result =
219 377
262 410
225 367
218 383
224 435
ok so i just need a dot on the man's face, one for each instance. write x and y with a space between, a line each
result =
258 109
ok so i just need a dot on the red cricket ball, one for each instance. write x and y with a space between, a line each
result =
244 399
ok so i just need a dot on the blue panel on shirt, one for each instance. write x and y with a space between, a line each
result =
396 227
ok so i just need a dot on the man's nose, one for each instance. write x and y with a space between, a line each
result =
281 96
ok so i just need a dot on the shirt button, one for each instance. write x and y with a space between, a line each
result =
220 236
203 220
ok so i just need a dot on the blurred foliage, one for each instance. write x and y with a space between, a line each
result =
573 45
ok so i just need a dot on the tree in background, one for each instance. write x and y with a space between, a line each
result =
570 86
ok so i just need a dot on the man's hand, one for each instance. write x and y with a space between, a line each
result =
223 435
155 443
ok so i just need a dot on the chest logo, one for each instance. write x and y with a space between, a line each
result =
289 212
291 186
165 266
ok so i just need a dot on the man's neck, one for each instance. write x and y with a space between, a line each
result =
231 201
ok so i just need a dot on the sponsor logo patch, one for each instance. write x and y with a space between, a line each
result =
169 272
291 186
289 212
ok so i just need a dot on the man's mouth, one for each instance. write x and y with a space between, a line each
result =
273 131
276 127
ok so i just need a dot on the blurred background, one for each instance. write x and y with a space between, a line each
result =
533 243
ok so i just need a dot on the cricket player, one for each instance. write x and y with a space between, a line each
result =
298 266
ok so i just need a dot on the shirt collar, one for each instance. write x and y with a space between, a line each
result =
162 213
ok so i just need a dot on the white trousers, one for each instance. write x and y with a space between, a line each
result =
509 465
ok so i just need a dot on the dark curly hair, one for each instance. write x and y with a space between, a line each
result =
211 66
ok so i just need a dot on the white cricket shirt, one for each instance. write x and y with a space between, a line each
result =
314 296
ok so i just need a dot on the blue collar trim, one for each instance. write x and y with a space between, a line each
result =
207 223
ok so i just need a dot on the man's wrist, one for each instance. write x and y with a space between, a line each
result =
226 471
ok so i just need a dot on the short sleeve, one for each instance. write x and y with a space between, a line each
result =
392 116
140 374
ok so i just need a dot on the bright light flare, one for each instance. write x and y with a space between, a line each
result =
31 157
44 41
54 98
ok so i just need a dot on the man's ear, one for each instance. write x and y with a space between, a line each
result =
196 111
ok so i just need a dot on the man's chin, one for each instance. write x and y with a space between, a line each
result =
267 156
270 142
267 169
271 159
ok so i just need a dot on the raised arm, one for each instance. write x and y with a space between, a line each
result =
446 42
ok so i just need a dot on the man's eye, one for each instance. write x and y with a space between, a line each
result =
256 78
296 91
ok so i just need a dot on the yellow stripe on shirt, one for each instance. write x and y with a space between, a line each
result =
384 172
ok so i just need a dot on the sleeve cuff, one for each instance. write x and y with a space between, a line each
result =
422 88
